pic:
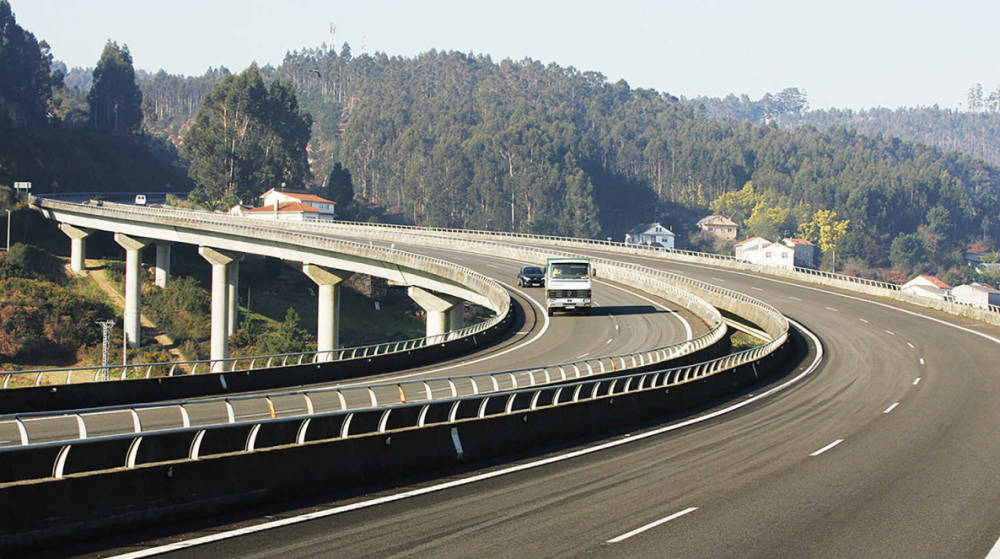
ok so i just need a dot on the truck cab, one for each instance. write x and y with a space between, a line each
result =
568 285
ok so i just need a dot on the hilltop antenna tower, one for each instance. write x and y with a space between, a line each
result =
364 44
333 32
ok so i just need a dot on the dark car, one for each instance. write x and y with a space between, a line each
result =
531 275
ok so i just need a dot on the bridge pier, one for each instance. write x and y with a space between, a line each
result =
328 295
133 283
162 264
77 245
444 312
232 296
220 261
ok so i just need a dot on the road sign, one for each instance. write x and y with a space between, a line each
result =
22 186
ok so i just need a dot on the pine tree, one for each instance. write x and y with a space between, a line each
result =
115 99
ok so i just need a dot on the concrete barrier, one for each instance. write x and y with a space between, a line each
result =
35 513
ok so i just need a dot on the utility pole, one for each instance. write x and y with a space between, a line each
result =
106 326
8 231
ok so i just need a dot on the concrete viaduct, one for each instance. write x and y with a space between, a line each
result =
439 288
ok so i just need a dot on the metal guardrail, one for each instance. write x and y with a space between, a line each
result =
97 373
378 394
390 419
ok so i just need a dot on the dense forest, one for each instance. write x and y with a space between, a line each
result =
448 138
974 131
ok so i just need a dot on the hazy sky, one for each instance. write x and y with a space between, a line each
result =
848 54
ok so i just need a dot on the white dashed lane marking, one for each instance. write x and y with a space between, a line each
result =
826 448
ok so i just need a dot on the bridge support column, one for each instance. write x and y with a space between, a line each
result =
133 283
440 310
328 321
77 245
220 260
456 317
162 264
232 296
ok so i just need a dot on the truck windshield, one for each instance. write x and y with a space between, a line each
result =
569 270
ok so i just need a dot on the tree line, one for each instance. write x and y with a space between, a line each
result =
453 139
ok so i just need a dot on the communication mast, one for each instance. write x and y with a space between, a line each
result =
106 326
333 32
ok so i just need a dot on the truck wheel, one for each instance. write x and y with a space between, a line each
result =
550 312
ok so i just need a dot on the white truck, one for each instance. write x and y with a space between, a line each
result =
568 285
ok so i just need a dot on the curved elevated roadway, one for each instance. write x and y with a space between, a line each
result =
887 449
623 322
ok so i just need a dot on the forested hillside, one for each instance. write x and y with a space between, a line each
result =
974 131
447 138
453 139
64 139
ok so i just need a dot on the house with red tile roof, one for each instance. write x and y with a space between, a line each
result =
927 286
287 205
804 251
758 250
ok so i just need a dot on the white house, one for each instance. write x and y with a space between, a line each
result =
758 250
804 251
748 245
927 286
976 294
649 233
324 206
289 211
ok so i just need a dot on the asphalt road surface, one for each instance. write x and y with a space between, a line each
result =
888 449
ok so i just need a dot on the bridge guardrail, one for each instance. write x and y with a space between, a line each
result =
985 313
374 395
97 373
55 459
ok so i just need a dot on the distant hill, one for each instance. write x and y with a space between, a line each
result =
447 138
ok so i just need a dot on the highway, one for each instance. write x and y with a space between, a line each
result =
623 322
887 449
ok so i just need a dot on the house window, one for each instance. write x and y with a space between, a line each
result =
784 255
710 228
767 255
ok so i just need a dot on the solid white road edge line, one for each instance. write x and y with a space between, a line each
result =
826 448
653 524
687 327
480 477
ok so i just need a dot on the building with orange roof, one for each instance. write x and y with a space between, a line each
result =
758 250
804 251
286 205
927 286
275 195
